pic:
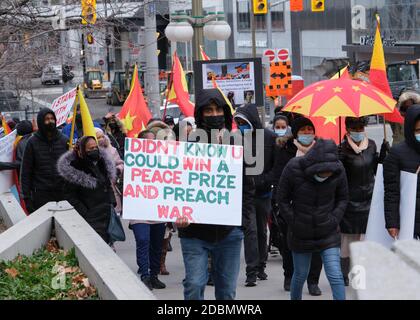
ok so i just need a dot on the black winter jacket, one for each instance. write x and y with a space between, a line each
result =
360 171
402 157
265 179
88 188
39 177
312 209
207 232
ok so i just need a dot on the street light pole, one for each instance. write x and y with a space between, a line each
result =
152 65
198 40
106 41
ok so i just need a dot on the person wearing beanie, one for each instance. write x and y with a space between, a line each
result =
312 197
287 148
24 132
39 177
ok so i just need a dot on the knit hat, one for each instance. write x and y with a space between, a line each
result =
299 123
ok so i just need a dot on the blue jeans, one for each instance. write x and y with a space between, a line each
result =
149 239
225 256
331 259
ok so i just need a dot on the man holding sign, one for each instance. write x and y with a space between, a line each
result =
198 186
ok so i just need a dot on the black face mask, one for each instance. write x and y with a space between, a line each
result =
78 119
93 155
113 126
214 122
50 127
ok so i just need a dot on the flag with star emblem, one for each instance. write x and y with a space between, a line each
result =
178 92
135 114
377 73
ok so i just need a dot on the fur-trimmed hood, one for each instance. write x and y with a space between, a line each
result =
408 95
78 177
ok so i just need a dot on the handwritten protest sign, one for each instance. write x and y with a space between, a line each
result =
164 180
6 155
62 106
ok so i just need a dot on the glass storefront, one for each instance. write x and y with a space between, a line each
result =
400 20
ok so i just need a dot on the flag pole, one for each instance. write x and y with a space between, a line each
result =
171 79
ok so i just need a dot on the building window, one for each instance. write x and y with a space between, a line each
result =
243 9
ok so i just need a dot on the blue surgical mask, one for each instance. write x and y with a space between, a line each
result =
244 127
418 137
357 136
320 179
280 132
306 139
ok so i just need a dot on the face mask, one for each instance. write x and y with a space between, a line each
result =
113 125
306 139
78 118
214 122
244 127
418 137
357 136
280 132
320 179
93 155
50 126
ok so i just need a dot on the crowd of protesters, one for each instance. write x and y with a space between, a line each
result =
313 196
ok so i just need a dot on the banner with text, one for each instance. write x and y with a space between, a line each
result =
164 180
63 105
6 155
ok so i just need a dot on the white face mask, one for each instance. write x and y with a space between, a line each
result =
320 179
280 132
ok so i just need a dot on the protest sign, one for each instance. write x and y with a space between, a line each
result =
63 105
6 155
376 230
164 180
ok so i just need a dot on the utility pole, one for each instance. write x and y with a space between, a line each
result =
152 65
269 27
83 53
254 42
198 39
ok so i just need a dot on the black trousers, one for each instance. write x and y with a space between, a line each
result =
255 232
316 263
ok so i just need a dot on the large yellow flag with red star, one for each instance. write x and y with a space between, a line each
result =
135 114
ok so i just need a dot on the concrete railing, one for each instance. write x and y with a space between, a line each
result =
113 279
382 274
10 210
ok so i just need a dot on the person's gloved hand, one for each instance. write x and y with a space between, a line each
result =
385 148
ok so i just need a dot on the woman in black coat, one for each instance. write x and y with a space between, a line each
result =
286 148
88 173
360 160
402 157
312 196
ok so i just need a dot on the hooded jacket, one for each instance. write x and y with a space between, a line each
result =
312 209
402 157
207 232
39 178
88 188
265 179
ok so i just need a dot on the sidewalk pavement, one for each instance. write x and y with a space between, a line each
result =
271 289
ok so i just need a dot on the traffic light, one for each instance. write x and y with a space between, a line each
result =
318 5
260 7
89 38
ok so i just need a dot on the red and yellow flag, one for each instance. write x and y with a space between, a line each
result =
5 126
377 74
135 114
204 56
178 92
